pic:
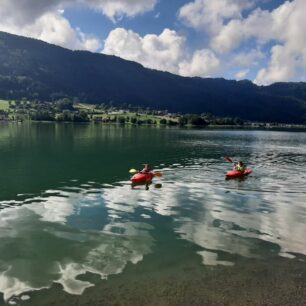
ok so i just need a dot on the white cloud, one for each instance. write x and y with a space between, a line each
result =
203 63
166 52
116 9
248 58
286 25
259 25
288 59
209 16
22 12
45 19
284 65
283 27
19 13
242 74
55 29
161 52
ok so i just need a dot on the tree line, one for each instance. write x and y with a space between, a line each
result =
69 110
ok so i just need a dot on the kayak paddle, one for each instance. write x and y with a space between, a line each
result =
158 174
132 171
228 159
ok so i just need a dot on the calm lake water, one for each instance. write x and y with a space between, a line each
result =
73 232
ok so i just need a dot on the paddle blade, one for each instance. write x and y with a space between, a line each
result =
133 171
228 159
158 174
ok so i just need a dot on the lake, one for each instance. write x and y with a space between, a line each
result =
74 232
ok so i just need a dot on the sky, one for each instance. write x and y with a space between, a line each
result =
260 40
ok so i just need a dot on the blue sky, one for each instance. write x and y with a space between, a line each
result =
146 23
260 40
91 21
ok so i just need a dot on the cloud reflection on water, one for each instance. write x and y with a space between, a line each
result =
39 245
242 218
62 234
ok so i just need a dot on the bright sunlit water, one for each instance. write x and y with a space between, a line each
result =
71 223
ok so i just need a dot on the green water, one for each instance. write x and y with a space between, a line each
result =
74 232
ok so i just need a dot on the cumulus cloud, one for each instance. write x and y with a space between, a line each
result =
166 52
285 65
242 74
18 13
286 25
115 9
24 11
210 16
161 52
55 29
248 58
228 29
259 25
288 59
202 63
44 19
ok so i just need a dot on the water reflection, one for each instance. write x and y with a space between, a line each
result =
243 218
48 240
240 217
99 225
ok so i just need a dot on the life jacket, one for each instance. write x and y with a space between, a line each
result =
240 168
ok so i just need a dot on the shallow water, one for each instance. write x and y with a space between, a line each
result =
69 219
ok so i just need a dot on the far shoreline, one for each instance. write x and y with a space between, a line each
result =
263 127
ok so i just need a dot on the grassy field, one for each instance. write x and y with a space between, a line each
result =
100 114
4 105
142 117
84 106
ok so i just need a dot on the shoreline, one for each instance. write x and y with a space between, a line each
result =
234 127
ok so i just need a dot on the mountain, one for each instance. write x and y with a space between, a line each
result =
34 69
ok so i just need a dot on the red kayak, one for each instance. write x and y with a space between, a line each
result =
235 173
139 178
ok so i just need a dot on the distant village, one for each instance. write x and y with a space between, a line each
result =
69 110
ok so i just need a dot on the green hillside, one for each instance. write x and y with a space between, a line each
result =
35 70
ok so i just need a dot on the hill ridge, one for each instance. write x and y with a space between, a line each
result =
33 69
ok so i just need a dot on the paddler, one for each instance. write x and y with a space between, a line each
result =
147 169
240 166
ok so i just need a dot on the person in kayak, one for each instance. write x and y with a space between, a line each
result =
240 166
147 169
